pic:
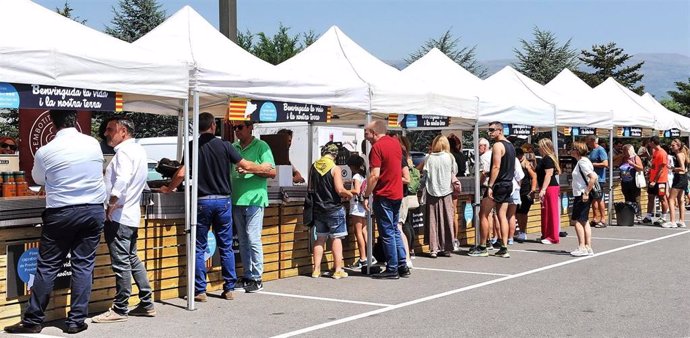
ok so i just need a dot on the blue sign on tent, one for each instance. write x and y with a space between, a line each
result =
469 212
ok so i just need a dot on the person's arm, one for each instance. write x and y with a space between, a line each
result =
356 186
547 181
533 175
38 172
338 182
637 164
680 157
405 175
123 175
249 167
496 154
372 180
592 180
177 179
296 176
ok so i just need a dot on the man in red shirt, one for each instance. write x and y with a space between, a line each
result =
658 182
385 182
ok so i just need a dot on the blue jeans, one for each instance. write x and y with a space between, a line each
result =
387 213
75 230
331 225
249 221
122 242
216 213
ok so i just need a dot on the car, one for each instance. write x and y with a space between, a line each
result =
417 157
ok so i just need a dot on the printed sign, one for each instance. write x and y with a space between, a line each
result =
469 213
272 111
629 132
517 130
417 121
22 259
564 203
579 131
34 96
669 133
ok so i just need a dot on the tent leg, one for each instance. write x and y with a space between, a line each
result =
477 187
610 204
370 229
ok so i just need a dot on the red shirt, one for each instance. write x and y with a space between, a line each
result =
386 154
659 159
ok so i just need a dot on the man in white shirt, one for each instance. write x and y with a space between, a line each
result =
125 179
71 168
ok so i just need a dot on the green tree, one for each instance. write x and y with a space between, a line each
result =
67 10
135 18
680 99
449 45
132 20
278 48
9 122
609 61
544 57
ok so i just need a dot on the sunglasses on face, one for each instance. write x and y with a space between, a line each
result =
8 146
491 130
238 127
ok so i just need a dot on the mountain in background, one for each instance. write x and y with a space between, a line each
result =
661 71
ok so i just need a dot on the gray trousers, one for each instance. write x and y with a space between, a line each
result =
122 242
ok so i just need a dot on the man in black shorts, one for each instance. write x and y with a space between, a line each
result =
500 187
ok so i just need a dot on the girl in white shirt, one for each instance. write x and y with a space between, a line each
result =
584 179
357 211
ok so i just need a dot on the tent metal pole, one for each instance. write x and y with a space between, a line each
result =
187 202
610 204
477 187
370 229
195 197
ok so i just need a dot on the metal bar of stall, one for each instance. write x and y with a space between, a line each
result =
370 229
195 196
477 187
187 202
610 204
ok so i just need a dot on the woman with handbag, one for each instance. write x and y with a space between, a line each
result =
584 181
440 168
549 195
632 176
678 185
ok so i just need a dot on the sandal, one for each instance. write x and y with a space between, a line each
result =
600 225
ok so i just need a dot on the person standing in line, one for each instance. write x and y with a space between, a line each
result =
71 168
584 179
600 161
630 165
125 180
326 180
296 175
549 195
501 181
515 199
658 182
404 205
439 168
678 186
385 183
461 162
528 186
249 198
214 204
357 211
486 220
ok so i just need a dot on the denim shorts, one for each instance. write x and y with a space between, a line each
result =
332 225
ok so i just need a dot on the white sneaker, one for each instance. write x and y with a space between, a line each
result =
521 237
409 263
546 241
681 224
456 245
580 252
590 252
669 225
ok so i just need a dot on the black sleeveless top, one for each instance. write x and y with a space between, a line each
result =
526 183
326 199
506 172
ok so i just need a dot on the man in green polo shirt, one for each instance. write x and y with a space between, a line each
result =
249 198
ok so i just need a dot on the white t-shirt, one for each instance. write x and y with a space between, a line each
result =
485 161
357 208
518 174
579 183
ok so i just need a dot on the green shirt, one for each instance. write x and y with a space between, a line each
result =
250 189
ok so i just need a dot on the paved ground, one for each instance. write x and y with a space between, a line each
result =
635 286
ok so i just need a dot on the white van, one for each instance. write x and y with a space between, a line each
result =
156 149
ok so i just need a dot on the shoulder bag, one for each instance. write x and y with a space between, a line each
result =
595 193
640 181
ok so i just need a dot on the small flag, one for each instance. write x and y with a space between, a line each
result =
119 102
329 115
393 121
236 109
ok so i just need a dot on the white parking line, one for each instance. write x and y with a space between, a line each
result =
463 271
467 288
619 239
323 299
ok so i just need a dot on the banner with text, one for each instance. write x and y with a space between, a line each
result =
517 130
629 132
579 131
22 259
669 133
273 111
33 96
411 121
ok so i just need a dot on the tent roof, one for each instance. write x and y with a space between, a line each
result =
627 111
596 113
220 68
335 57
665 119
58 51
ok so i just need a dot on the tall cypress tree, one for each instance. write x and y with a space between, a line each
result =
609 61
448 44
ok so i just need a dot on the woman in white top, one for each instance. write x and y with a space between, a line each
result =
584 179
357 212
440 168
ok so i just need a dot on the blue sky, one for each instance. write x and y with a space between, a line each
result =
392 29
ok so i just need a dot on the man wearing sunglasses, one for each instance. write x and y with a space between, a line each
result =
216 157
249 198
8 145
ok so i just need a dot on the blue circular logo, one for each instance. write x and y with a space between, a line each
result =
9 98
211 247
268 112
469 212
26 266
411 121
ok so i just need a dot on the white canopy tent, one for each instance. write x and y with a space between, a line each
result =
678 121
626 110
597 114
220 69
335 57
58 51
